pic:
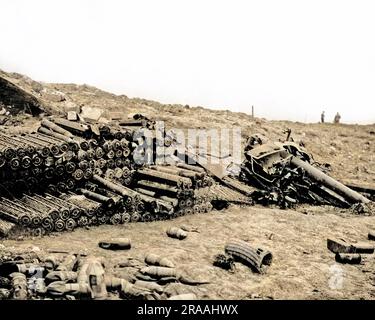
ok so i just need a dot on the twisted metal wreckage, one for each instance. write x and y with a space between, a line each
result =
286 174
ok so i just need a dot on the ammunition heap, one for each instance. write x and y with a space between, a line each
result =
71 276
174 189
71 174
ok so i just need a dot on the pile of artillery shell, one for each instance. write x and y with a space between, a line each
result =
170 190
66 276
43 176
74 174
62 154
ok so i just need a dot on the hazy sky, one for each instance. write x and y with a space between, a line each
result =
290 59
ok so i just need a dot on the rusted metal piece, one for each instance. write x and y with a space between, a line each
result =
172 201
52 126
158 186
148 285
216 169
115 244
71 125
169 274
181 182
55 135
68 276
97 197
133 123
349 258
155 260
113 186
223 261
92 272
177 233
19 286
61 288
179 172
130 291
238 186
146 192
68 263
326 180
255 258
341 246
190 167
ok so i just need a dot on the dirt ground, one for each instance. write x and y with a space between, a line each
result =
302 268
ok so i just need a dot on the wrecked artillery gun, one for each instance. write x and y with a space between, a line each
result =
285 174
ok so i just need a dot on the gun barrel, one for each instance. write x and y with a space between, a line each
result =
329 182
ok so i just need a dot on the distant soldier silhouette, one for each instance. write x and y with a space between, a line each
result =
337 118
322 117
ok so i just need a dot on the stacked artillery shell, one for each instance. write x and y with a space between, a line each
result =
131 206
38 212
108 153
72 174
172 188
91 210
31 160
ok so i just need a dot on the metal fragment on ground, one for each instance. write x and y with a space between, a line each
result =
115 244
254 257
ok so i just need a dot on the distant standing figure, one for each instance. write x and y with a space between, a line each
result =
322 117
337 118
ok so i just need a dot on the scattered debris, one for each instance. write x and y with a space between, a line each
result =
41 275
255 258
91 114
115 244
286 175
4 294
350 258
67 276
341 246
371 235
91 273
129 262
19 286
224 262
72 116
148 285
177 233
155 260
168 275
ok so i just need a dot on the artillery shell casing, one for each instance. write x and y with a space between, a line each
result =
177 233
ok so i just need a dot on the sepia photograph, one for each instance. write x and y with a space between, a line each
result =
212 152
